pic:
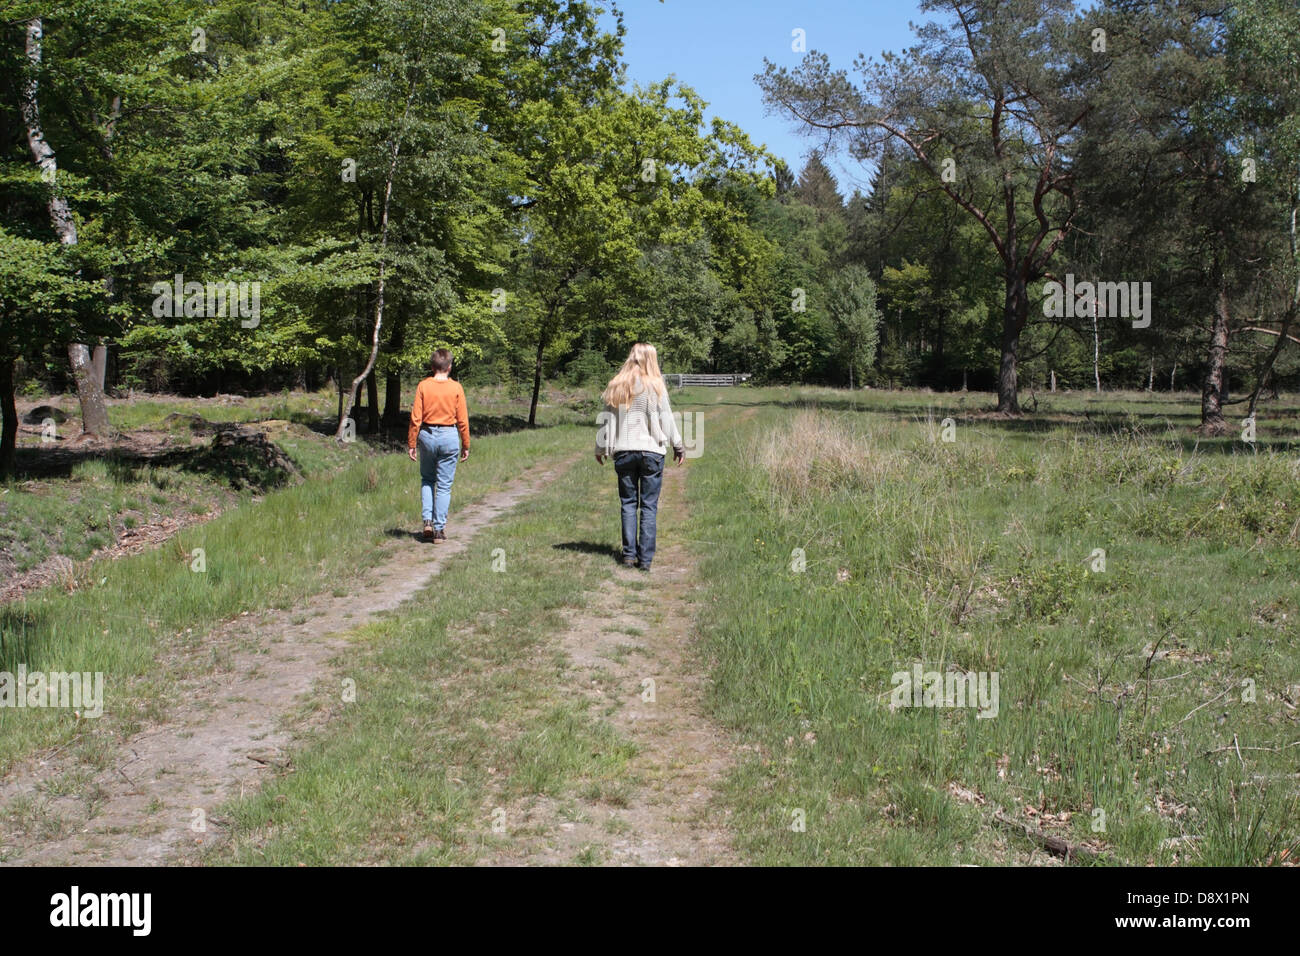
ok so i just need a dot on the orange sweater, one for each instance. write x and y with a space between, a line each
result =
439 403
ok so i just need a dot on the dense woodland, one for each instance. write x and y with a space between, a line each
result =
397 175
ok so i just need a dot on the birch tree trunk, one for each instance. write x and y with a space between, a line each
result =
94 410
1096 350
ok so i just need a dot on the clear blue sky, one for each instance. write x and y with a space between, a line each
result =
716 47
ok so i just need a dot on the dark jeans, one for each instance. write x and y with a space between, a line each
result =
640 475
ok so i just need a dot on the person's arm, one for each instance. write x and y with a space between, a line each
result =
417 416
669 427
462 422
605 437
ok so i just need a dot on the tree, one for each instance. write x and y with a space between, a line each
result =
988 106
851 304
94 410
817 188
402 85
1263 53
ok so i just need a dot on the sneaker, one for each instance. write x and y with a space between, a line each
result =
440 535
631 563
429 534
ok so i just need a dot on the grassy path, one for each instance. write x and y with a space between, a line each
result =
502 717
630 654
154 794
283 551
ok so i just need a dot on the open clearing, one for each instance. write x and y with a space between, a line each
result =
515 697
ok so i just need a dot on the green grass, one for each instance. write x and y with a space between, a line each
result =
978 553
84 504
312 537
1124 693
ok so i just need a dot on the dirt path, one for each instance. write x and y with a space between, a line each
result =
228 728
634 629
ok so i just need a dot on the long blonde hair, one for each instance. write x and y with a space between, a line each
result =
641 368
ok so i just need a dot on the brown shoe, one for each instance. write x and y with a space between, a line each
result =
429 534
440 535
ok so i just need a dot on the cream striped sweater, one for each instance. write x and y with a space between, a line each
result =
632 428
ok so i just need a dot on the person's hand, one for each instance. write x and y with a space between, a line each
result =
679 454
600 459
410 453
464 456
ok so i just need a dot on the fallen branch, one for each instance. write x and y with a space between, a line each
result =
1239 749
1230 689
1053 844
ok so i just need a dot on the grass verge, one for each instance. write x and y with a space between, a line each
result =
1147 695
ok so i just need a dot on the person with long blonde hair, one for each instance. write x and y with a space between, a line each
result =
635 430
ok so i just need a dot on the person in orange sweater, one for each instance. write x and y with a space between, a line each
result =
440 432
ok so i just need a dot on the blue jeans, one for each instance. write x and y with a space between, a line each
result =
439 451
640 476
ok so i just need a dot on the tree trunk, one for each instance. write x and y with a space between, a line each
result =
94 411
372 403
42 153
393 380
1096 349
537 379
8 418
1053 379
1014 313
99 364
392 399
1214 392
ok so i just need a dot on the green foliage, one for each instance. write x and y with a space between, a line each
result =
540 208
851 305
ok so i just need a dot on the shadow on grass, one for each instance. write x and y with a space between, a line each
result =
239 466
591 547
